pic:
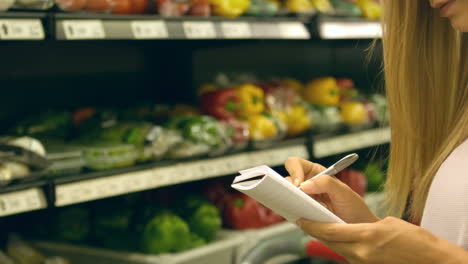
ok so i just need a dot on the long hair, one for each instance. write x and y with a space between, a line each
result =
426 72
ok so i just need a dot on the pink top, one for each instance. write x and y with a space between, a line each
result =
446 211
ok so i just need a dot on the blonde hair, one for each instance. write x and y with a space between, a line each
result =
425 64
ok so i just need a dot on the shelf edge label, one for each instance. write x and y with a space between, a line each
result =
143 29
21 29
199 30
83 29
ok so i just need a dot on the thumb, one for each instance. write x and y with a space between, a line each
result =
336 189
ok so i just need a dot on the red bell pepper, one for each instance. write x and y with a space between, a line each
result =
243 212
222 104
356 180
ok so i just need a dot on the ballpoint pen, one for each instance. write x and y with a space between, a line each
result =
338 166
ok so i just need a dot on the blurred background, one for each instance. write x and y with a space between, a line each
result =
124 122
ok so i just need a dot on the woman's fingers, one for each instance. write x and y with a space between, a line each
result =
301 170
325 184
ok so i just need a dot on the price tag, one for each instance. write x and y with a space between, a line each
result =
293 30
83 29
236 30
199 30
21 29
350 30
149 29
22 201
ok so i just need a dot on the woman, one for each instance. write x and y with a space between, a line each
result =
426 72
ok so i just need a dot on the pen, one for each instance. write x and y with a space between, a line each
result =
338 166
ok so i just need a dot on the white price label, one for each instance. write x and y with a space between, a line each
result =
293 30
149 29
83 29
199 30
236 30
22 201
21 29
350 30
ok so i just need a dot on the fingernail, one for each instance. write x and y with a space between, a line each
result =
308 186
297 182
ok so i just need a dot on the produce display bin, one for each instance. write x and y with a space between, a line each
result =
222 250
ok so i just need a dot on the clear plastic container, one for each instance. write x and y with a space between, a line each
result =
34 4
5 4
110 157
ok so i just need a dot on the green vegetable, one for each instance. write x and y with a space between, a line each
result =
205 221
200 129
196 241
375 177
71 224
166 232
203 217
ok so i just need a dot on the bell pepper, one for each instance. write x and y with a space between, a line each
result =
261 127
252 98
323 6
370 9
322 91
298 120
243 212
347 90
222 104
353 113
356 180
230 8
263 8
345 8
300 6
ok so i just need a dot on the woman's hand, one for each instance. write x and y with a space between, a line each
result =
329 191
390 240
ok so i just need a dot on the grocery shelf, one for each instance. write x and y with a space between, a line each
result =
79 188
228 247
332 145
79 26
95 26
22 198
22 26
93 186
347 28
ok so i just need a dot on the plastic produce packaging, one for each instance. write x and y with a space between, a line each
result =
34 4
111 6
110 157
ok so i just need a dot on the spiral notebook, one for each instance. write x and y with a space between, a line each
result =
273 191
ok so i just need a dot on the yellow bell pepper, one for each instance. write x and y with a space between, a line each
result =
252 99
370 9
300 6
322 91
261 127
230 8
323 6
298 120
353 113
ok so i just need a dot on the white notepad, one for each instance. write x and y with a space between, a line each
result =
273 191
